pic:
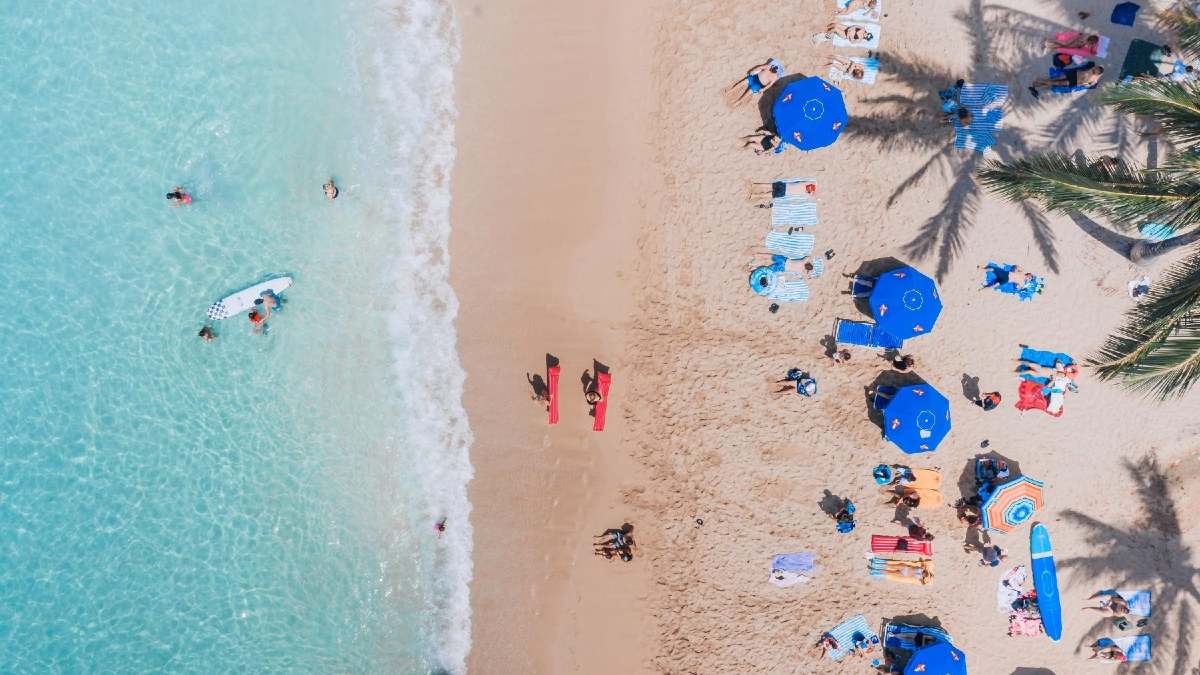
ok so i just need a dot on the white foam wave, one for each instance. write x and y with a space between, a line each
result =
411 66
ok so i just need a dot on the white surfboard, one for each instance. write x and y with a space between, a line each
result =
236 303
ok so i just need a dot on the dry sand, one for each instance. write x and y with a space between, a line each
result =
601 212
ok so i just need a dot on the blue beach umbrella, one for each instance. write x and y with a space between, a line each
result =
905 303
1011 504
917 418
809 114
941 658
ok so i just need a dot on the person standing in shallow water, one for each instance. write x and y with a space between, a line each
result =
331 190
207 334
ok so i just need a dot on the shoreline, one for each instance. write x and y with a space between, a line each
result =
547 208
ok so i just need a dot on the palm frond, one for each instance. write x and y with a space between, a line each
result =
1183 21
1175 106
1157 350
1123 193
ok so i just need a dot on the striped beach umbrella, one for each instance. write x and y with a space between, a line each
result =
1011 504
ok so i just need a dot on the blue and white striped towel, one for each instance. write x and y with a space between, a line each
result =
793 211
795 245
790 290
1138 601
1136 648
986 103
818 269
844 633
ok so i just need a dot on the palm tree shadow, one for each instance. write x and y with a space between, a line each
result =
1150 553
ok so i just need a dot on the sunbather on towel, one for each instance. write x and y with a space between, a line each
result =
1087 75
757 79
1089 43
777 189
960 118
826 643
851 32
849 67
869 8
1111 604
919 571
995 275
1107 650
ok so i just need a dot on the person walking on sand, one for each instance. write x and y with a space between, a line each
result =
758 78
992 556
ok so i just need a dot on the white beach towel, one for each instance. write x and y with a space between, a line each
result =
1010 587
861 13
783 578
838 72
872 28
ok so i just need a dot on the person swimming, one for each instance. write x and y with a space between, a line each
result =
440 526
207 334
331 190
258 321
178 197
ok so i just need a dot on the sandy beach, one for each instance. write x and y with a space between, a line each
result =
601 213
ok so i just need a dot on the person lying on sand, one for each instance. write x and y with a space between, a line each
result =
1086 76
909 498
869 8
1080 41
851 32
1111 604
761 141
826 643
758 78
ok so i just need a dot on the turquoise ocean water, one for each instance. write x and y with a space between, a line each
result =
257 504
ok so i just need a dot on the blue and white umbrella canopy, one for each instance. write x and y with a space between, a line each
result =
905 303
917 418
941 658
810 114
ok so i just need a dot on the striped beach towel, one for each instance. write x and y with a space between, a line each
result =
881 543
795 245
793 211
1136 648
870 67
818 269
986 103
790 290
846 632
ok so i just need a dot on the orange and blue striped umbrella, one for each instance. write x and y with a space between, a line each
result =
1012 504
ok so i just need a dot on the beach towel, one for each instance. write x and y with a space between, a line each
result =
1138 61
795 245
929 498
1138 288
872 28
1010 587
862 13
1125 13
1025 624
793 211
885 544
847 632
924 479
986 103
1030 397
603 380
552 375
1099 50
1136 648
870 67
996 276
790 290
789 569
1062 88
1043 357
818 264
1138 600
879 565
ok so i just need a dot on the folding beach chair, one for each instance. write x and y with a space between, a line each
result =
864 334
861 287
883 396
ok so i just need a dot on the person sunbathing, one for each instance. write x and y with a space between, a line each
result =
1107 650
903 497
761 141
825 644
907 571
1111 604
757 79
848 67
962 118
1087 75
869 8
851 33
1080 41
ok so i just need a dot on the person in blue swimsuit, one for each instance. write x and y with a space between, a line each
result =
758 78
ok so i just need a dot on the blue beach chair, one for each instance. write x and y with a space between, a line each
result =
864 334
883 396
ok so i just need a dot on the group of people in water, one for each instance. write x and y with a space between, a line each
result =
268 301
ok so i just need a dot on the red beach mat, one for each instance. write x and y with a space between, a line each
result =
1030 397
552 374
603 380
884 544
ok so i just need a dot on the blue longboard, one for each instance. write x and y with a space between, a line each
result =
1045 581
